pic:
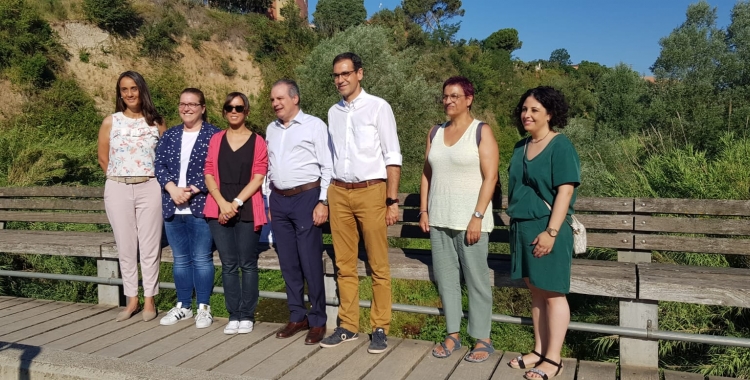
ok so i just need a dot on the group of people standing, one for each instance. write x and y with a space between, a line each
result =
203 185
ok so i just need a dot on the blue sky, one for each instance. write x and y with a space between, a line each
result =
604 31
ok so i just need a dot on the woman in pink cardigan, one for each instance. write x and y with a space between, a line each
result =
236 165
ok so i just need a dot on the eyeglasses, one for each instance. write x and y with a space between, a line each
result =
343 75
452 97
190 105
229 108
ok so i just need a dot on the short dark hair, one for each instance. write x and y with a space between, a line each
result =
231 97
356 61
293 88
552 100
463 82
201 98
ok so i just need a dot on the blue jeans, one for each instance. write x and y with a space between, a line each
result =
191 242
237 243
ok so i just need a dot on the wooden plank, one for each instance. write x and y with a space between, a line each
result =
639 373
55 243
40 315
693 206
594 204
593 277
138 341
569 369
231 347
504 371
401 361
477 371
115 335
432 368
60 217
52 204
591 221
720 378
52 191
621 240
692 225
100 316
277 364
253 356
323 361
187 337
7 304
596 370
62 321
359 363
692 244
701 285
674 375
94 331
209 342
6 313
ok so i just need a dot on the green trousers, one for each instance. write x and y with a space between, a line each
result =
451 256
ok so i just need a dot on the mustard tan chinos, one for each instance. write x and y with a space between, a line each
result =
351 211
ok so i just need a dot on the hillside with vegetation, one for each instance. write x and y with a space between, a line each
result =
684 135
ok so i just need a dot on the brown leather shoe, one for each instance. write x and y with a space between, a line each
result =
315 335
292 328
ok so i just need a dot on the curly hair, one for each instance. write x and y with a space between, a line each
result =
552 100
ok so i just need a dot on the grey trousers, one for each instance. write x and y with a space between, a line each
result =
451 257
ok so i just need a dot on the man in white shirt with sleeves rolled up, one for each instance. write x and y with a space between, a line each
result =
363 196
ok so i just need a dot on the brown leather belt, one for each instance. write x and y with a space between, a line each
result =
130 180
356 185
297 189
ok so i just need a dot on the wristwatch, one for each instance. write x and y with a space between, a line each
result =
239 202
391 201
478 214
324 202
551 231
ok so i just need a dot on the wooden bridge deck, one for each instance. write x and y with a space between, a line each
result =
77 341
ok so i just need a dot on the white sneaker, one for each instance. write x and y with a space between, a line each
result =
232 327
245 327
203 316
176 314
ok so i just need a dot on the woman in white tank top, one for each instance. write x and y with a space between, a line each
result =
458 181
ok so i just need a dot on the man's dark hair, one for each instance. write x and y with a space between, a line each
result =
356 61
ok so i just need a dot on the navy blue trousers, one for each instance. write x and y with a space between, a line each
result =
300 247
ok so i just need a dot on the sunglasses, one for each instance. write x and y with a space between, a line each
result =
229 108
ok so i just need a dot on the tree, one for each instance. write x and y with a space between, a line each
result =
621 100
243 6
433 14
503 39
405 32
332 16
560 57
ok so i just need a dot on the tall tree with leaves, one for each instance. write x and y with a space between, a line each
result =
503 39
243 6
433 15
333 16
560 57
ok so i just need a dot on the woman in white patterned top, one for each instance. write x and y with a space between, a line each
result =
132 196
458 181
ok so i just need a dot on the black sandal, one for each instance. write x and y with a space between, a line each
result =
521 365
446 352
541 373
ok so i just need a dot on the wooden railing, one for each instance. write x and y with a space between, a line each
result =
634 227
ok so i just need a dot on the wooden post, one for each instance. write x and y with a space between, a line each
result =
642 314
332 312
108 294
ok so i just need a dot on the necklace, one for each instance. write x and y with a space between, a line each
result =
540 140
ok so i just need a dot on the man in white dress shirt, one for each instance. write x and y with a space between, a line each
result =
363 197
299 169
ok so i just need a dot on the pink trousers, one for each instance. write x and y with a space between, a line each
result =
134 211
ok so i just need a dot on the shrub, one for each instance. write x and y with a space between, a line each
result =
84 55
115 16
160 38
227 69
29 52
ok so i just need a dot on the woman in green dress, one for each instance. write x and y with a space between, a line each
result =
544 172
